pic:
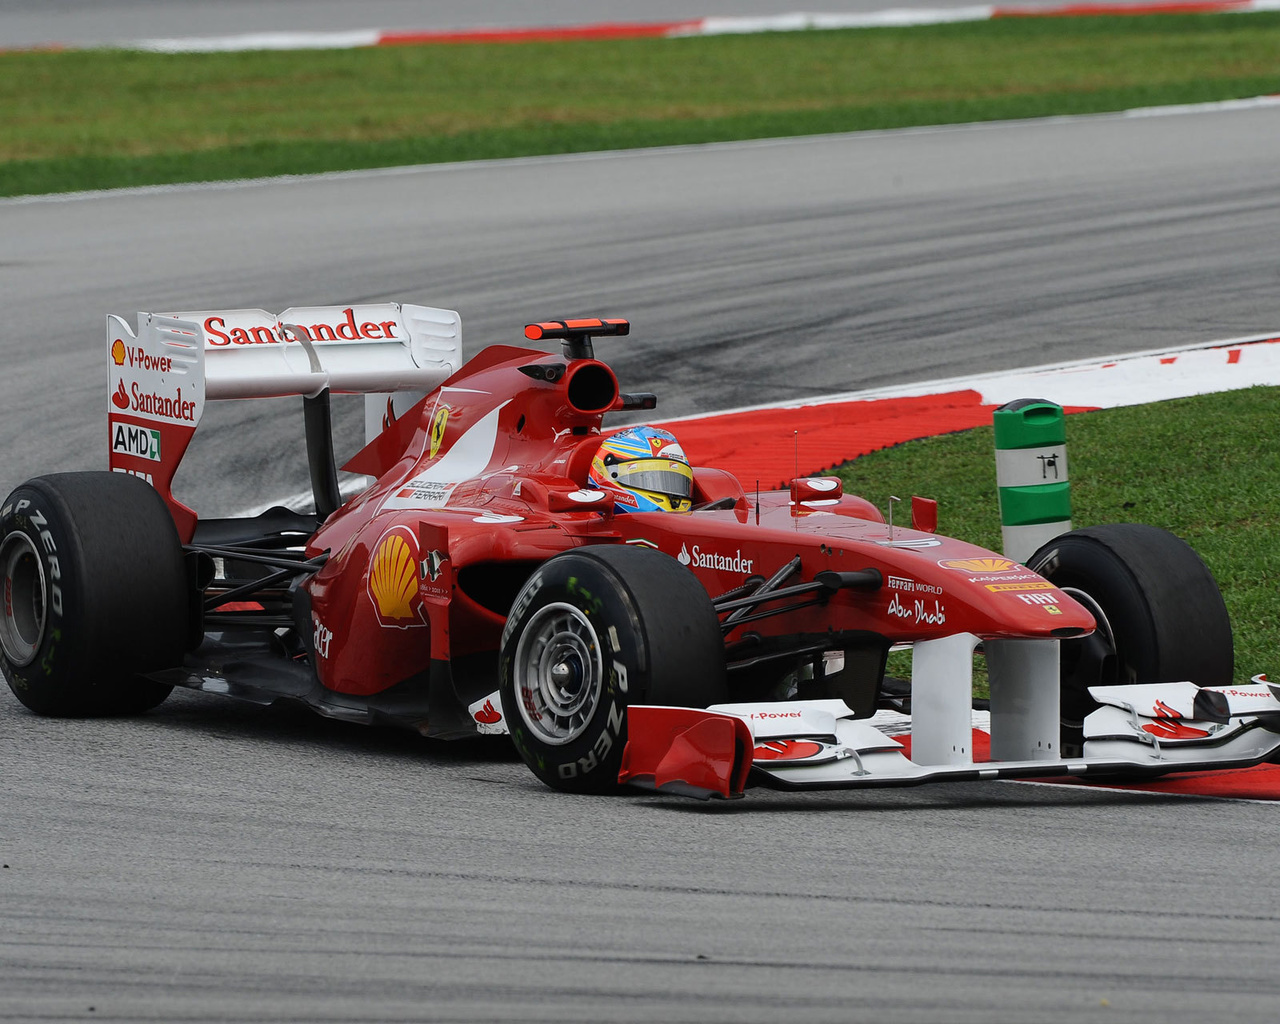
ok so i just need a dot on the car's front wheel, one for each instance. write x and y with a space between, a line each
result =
94 594
1160 615
592 632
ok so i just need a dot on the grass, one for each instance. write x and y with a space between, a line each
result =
1206 468
101 119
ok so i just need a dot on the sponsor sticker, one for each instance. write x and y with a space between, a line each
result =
219 334
983 565
1167 727
919 612
321 637
421 494
433 565
166 406
910 586
1001 588
714 560
140 442
780 753
1007 577
787 750
486 713
393 580
139 358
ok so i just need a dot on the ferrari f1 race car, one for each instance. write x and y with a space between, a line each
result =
627 618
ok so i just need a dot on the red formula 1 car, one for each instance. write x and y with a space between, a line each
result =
622 615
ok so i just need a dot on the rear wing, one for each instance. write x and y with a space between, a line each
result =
160 377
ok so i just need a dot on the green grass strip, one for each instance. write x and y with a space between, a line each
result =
103 119
1207 468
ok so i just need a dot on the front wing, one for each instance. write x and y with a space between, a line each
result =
1141 730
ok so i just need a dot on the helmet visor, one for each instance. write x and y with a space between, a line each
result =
662 476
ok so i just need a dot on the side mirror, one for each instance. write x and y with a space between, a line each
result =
809 489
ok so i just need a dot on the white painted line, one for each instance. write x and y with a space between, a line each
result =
893 18
1097 787
260 41
1253 103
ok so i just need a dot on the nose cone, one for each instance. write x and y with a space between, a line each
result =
979 592
1016 602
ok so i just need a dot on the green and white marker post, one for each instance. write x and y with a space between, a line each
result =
1031 474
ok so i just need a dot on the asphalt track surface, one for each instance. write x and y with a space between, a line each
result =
212 861
79 22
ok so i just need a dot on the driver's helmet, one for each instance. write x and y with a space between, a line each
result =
645 469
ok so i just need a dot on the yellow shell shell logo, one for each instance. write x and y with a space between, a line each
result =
437 430
393 578
117 352
979 564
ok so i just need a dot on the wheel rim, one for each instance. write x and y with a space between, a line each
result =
559 673
23 620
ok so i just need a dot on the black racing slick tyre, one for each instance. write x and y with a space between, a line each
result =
94 594
592 632
1160 615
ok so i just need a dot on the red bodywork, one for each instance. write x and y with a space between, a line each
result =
487 477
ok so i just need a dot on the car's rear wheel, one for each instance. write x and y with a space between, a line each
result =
1160 615
94 594
592 632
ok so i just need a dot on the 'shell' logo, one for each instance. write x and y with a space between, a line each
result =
393 579
992 565
117 352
